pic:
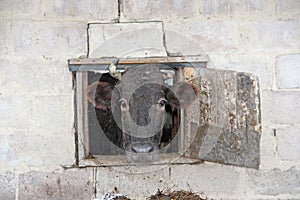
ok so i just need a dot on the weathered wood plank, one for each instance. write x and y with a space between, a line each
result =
229 129
90 64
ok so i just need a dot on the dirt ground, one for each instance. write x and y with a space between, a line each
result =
175 195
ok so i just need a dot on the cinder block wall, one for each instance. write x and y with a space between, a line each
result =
36 98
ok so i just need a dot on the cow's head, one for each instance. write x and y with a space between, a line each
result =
141 99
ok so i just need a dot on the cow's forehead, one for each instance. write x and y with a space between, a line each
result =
147 94
137 77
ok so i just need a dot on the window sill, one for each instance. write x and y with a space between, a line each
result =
120 160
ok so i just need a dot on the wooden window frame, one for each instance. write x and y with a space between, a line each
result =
79 67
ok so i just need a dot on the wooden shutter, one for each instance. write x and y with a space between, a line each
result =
224 124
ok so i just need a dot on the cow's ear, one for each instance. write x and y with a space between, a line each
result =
182 94
100 94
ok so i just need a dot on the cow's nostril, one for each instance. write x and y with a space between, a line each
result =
151 150
142 148
133 150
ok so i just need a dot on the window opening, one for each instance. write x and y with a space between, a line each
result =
99 131
222 125
105 136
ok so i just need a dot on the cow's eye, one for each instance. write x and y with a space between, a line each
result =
162 102
123 103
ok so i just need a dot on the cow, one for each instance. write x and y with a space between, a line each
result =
142 106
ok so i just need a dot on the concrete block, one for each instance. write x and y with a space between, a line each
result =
27 76
8 186
266 35
181 44
126 39
69 184
210 37
232 7
53 114
136 182
18 9
288 141
44 39
280 107
40 76
63 77
8 154
4 12
159 10
288 71
288 8
77 10
4 39
142 181
209 179
23 148
95 10
256 64
16 112
274 182
268 159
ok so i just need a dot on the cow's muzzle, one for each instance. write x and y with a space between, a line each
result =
144 147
